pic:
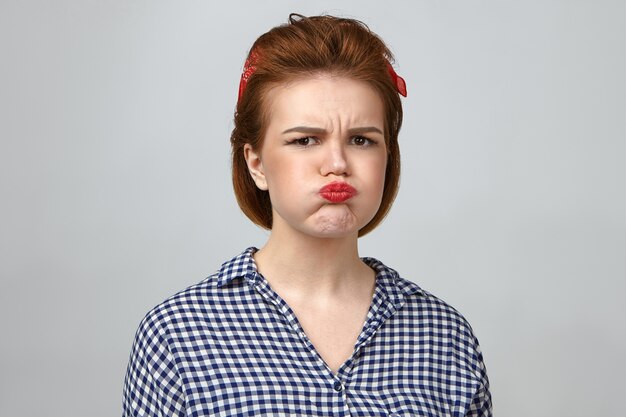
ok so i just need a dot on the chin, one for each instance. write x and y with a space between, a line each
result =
336 227
334 234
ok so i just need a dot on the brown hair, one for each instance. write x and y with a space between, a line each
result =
304 47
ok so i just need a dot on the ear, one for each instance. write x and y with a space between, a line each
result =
255 166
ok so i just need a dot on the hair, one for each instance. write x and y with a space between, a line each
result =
302 48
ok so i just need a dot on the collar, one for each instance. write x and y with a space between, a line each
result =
387 279
241 266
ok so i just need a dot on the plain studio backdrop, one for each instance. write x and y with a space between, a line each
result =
115 119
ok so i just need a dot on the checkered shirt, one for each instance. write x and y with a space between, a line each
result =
231 346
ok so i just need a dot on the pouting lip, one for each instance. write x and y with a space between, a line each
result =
337 192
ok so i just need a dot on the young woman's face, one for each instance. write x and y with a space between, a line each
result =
323 156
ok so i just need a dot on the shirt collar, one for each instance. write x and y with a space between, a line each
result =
243 266
390 282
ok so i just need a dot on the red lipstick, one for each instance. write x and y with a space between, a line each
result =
337 192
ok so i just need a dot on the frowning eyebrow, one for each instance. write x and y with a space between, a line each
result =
319 131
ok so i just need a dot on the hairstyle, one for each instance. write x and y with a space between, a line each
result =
305 47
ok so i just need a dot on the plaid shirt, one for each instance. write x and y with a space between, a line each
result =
230 346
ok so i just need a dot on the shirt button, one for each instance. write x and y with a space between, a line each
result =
337 386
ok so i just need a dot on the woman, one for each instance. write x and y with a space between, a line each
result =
303 326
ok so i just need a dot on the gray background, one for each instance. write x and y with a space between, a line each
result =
114 178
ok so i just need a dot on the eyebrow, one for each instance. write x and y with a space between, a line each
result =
318 130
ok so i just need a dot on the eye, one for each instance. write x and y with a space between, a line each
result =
304 141
362 141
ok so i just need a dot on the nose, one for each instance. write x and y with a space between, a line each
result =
335 161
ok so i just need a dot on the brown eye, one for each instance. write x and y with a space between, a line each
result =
362 141
304 142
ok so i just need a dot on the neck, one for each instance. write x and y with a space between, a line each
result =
313 267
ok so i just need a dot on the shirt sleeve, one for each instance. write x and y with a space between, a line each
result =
481 402
152 386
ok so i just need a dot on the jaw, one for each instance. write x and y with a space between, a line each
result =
325 221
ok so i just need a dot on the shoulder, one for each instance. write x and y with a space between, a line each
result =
153 375
177 309
442 322
424 316
414 299
429 307
425 302
201 301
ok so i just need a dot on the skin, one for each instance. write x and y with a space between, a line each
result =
322 129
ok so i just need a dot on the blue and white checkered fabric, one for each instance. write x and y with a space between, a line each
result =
230 346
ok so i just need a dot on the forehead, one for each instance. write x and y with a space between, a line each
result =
324 100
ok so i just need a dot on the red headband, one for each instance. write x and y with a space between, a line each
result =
397 80
250 67
248 70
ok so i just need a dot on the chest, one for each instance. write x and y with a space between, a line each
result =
333 331
265 368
